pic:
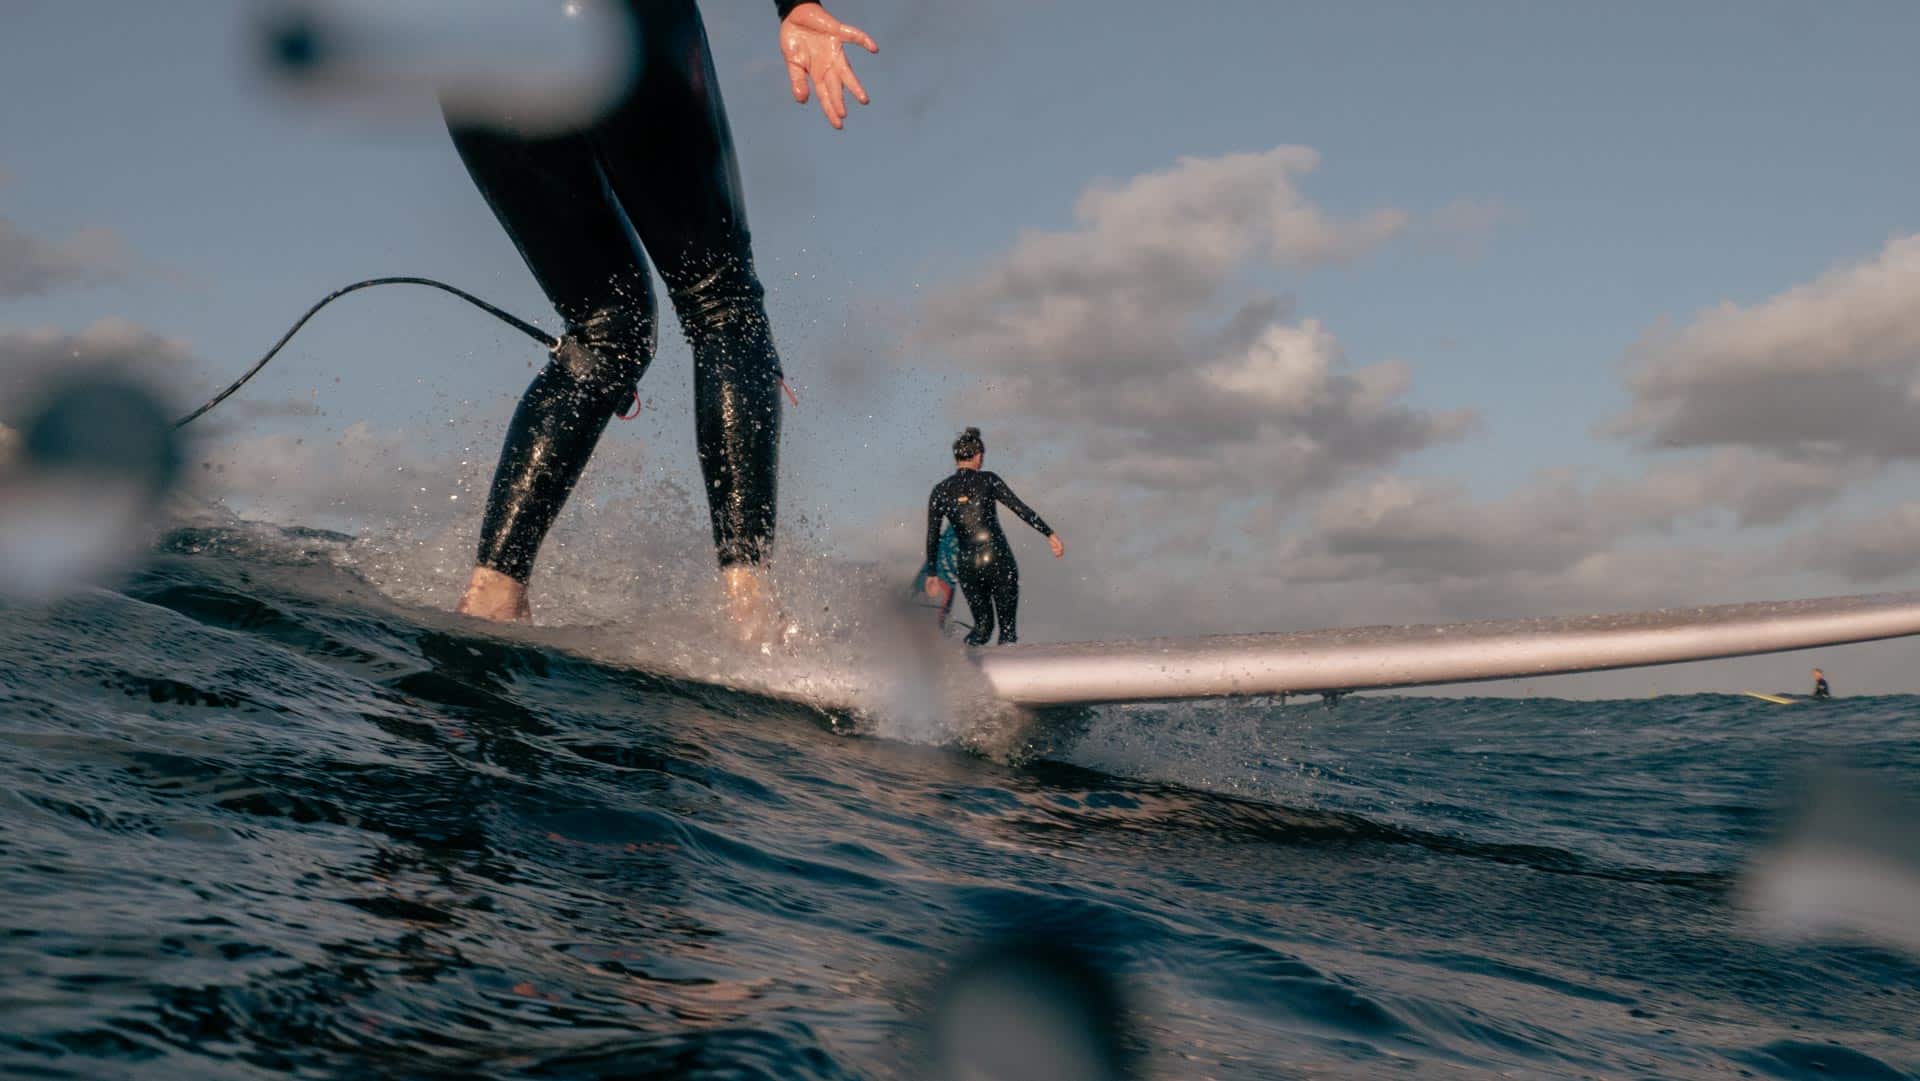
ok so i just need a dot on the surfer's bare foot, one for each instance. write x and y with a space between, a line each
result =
495 596
750 604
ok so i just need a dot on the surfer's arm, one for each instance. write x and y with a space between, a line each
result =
1012 502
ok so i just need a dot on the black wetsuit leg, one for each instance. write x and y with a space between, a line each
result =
555 204
1006 597
991 580
659 169
976 581
669 153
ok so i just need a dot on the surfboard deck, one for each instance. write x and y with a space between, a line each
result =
1378 658
1776 699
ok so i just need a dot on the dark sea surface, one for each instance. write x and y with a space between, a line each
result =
256 820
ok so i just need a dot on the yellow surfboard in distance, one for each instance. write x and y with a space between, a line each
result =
1776 699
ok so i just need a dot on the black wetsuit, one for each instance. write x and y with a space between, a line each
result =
656 172
1820 689
988 575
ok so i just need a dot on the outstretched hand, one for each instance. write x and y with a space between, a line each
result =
1054 542
813 42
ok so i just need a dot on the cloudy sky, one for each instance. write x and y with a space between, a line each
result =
1285 316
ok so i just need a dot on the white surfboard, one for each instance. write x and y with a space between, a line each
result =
1369 658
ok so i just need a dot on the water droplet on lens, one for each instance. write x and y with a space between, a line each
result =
92 459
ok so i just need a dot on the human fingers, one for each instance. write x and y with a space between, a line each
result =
830 88
851 33
826 105
851 80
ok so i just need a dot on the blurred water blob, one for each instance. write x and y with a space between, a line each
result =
88 462
1026 1010
541 66
1849 865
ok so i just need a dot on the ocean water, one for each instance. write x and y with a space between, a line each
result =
259 819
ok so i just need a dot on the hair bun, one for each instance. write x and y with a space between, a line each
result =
968 445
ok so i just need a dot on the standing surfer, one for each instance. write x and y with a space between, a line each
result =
1820 685
656 172
988 574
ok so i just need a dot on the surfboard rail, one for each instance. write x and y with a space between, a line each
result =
1379 658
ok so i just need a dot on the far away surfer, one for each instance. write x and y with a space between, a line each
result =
658 167
1820 685
988 574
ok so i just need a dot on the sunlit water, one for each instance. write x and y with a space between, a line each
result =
259 820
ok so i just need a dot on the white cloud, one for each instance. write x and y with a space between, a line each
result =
1868 551
1285 369
30 266
1148 251
1827 370
1467 225
1400 530
110 342
1102 340
1755 489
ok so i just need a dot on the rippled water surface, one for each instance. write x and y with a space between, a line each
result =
258 821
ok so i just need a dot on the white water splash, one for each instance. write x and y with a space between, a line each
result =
627 577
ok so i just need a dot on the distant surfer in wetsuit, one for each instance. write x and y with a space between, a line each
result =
656 172
988 574
1820 685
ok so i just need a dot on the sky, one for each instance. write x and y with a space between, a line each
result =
1285 316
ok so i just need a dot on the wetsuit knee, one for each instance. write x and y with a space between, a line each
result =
599 360
725 304
610 347
585 382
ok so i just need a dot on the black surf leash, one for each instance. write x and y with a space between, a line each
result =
549 341
950 619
